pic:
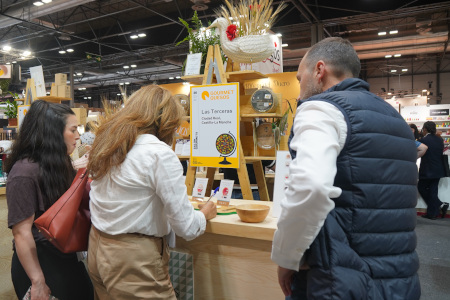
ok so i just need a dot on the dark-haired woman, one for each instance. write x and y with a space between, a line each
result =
431 171
40 171
415 131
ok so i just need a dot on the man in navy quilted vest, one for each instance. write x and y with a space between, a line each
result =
346 229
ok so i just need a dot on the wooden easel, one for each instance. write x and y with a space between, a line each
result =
214 57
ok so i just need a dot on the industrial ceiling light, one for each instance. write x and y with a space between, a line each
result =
127 83
279 35
393 71
388 56
178 77
6 48
46 1
134 36
404 70
70 50
382 33
62 51
79 74
394 31
38 3
142 35
26 53
126 67
397 55
133 66
171 77
284 45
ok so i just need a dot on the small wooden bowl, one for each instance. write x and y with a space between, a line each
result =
252 213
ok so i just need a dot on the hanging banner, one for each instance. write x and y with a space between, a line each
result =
215 125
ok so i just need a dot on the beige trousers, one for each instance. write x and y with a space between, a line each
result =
129 266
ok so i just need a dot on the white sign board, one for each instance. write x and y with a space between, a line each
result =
281 176
38 76
215 125
193 64
21 112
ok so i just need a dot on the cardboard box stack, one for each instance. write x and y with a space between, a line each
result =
81 114
60 88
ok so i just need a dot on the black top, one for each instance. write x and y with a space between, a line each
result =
431 165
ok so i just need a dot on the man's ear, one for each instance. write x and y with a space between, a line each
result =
319 71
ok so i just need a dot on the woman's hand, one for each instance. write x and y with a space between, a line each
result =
40 291
209 210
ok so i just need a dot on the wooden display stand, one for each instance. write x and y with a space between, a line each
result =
247 152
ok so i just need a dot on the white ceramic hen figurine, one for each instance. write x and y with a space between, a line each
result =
244 49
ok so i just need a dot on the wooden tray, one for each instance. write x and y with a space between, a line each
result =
221 209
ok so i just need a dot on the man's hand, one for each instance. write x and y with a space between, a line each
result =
285 280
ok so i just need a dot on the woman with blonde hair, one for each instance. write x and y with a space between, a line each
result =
137 196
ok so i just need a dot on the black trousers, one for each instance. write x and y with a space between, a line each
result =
428 189
66 277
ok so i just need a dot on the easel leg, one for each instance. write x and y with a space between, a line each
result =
261 181
190 179
210 175
244 181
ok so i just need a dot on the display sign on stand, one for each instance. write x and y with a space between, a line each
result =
193 64
281 176
215 125
200 188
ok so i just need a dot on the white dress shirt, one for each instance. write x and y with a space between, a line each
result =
320 132
146 194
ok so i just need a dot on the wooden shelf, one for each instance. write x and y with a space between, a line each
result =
258 158
244 117
237 76
183 157
244 75
54 99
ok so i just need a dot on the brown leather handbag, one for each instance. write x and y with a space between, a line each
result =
67 222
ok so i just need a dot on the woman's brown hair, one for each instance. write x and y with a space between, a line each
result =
150 110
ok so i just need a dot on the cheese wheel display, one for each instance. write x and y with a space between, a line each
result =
264 100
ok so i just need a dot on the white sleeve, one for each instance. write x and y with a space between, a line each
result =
170 187
320 131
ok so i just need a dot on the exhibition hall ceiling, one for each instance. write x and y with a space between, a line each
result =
100 35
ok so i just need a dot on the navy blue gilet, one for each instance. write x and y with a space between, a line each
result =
366 248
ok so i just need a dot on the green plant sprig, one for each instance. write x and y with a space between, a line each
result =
198 38
11 109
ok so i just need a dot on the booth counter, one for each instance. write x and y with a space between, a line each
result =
232 259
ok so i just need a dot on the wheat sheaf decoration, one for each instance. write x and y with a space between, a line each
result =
251 17
243 29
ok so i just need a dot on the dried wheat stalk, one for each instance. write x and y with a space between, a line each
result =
251 16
